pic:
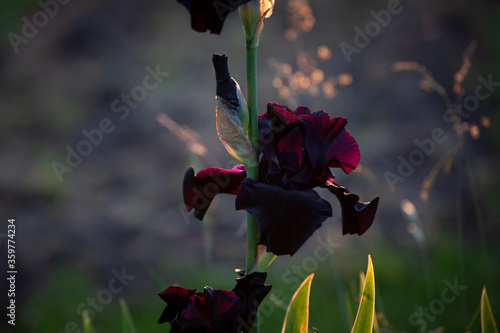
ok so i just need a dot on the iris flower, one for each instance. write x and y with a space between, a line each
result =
298 148
210 14
214 311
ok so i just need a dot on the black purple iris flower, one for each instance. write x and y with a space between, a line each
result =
298 148
210 14
214 311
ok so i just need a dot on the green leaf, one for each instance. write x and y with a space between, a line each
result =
263 260
349 307
366 311
297 314
127 322
87 323
488 324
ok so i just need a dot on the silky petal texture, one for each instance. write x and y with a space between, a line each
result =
196 317
275 124
319 141
286 218
210 14
200 189
176 298
214 311
280 135
329 144
226 307
251 289
357 217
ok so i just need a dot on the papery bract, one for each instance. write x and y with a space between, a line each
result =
231 115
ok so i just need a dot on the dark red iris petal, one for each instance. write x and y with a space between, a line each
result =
292 141
281 135
177 299
280 115
302 110
286 218
226 308
279 122
274 128
329 144
252 290
320 143
357 217
215 311
200 189
210 14
212 311
196 317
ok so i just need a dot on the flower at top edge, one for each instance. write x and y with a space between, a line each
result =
210 14
298 148
214 311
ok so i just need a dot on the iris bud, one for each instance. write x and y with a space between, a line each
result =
232 115
253 14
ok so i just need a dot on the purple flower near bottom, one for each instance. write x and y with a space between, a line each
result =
297 151
214 311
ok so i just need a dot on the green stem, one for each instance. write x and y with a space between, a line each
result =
252 99
252 236
252 172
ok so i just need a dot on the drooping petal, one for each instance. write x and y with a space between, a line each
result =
177 299
329 144
210 14
357 217
286 218
200 189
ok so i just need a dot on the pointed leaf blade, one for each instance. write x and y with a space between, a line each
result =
297 314
263 260
127 322
366 311
87 322
488 324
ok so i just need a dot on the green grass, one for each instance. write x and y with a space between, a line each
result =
398 272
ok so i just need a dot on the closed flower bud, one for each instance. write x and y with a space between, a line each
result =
253 14
232 115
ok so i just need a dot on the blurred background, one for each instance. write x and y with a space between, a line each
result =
94 180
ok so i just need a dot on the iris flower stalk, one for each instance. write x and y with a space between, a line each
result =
252 15
284 156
